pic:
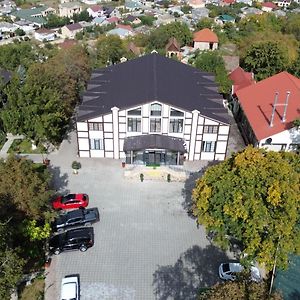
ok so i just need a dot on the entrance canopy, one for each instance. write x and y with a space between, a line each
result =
154 141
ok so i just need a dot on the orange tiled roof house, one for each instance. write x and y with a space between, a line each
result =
205 39
265 112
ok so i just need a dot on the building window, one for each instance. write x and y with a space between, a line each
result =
176 125
95 126
210 129
96 144
134 112
208 146
176 113
134 124
155 109
155 125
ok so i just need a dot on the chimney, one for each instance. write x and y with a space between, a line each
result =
273 110
285 106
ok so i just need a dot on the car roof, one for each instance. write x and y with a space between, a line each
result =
80 232
73 214
69 287
235 267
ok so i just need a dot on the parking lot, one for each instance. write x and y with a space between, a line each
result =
146 246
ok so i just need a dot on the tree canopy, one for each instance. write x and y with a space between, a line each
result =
253 197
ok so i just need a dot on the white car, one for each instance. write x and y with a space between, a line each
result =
70 289
227 271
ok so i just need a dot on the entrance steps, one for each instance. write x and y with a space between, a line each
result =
158 173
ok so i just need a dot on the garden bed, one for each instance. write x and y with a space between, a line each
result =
25 146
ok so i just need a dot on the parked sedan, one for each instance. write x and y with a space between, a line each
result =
71 201
75 239
228 271
70 288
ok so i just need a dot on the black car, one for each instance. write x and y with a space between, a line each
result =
80 238
76 217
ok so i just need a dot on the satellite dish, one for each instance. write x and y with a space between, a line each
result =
268 141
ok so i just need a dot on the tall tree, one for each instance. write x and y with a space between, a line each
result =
265 59
253 197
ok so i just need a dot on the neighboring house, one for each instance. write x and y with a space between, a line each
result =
265 112
35 15
95 11
44 34
247 2
7 29
268 6
223 19
69 31
283 3
68 9
133 19
110 12
6 7
99 21
121 32
200 13
90 2
133 5
248 11
152 110
173 48
196 3
127 27
240 79
164 19
26 26
112 20
175 10
226 2
205 39
131 47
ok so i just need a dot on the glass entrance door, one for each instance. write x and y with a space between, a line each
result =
154 158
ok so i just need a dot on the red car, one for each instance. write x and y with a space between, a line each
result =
71 201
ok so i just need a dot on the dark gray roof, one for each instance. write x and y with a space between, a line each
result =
152 78
154 141
5 76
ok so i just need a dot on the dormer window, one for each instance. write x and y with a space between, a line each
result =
155 109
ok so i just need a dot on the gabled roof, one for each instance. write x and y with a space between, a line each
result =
127 27
173 45
73 27
152 78
269 4
257 103
96 8
241 79
205 35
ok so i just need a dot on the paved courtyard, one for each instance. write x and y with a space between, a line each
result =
146 246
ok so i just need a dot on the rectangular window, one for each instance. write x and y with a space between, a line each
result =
209 146
95 126
155 125
210 129
96 144
134 124
176 125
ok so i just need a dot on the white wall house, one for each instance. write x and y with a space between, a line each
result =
265 112
140 119
205 39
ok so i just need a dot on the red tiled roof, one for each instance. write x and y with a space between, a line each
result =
240 79
269 4
113 20
128 27
229 1
257 103
96 8
205 35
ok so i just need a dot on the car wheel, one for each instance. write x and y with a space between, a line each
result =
83 248
56 251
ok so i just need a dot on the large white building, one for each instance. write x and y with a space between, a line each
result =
152 110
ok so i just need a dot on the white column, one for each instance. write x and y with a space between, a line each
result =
115 118
193 134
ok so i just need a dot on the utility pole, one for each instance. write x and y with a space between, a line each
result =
274 267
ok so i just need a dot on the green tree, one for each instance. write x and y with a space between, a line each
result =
238 290
83 16
147 20
54 21
292 26
253 197
212 61
205 23
109 50
159 37
186 9
265 59
20 32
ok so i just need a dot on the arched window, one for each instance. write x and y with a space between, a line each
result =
155 109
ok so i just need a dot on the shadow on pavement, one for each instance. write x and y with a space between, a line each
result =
59 181
189 185
195 269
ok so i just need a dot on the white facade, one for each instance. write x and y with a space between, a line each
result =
286 140
205 46
205 138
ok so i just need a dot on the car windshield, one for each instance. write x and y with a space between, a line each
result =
226 268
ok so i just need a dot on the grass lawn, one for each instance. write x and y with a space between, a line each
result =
24 146
34 291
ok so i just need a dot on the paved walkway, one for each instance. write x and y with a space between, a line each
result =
8 143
